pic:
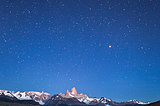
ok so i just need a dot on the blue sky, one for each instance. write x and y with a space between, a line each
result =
102 47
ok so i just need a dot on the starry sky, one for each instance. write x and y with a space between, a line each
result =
104 48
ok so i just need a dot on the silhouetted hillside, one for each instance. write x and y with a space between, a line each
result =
154 104
8 102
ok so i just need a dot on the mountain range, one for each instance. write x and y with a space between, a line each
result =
69 98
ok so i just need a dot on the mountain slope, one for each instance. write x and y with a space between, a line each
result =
59 100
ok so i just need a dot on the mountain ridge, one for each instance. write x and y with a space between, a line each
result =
69 98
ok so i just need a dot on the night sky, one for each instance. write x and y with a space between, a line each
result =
107 48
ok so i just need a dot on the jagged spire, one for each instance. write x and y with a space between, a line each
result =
73 91
67 93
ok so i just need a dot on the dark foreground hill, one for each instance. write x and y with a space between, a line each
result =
9 102
154 104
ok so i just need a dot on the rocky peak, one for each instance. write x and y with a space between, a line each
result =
73 91
67 93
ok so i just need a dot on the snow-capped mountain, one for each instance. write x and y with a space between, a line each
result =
41 98
36 96
69 98
136 102
22 95
7 94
